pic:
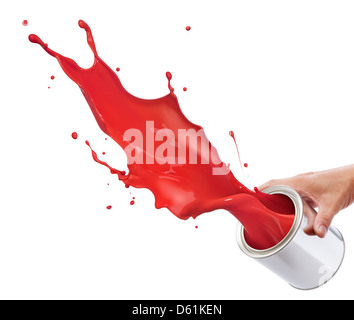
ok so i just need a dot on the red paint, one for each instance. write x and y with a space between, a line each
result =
232 135
103 153
188 28
187 190
132 202
74 135
245 165
52 77
25 23
118 69
184 89
109 207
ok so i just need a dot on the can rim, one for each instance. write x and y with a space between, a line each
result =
259 254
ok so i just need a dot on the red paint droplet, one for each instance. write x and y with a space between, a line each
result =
74 135
169 78
107 184
109 207
188 28
196 227
25 23
246 165
118 69
184 89
52 77
103 153
105 139
132 202
48 87
168 75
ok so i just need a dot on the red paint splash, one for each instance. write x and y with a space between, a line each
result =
186 189
25 23
74 135
109 207
188 28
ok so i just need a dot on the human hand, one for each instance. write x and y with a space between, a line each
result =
330 191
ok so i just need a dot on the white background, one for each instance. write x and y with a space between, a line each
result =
278 73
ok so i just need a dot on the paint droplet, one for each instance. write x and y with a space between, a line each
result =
52 77
132 202
109 207
196 227
188 28
25 23
74 135
184 89
245 165
103 153
118 69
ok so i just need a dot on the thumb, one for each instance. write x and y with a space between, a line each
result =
323 220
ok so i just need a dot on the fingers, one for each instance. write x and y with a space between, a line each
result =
310 213
323 220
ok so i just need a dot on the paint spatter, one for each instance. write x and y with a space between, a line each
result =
188 189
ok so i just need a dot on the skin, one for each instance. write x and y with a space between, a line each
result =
330 191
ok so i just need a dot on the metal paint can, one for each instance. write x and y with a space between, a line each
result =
305 262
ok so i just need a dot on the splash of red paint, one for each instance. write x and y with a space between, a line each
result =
186 189
109 207
52 77
25 23
74 135
188 28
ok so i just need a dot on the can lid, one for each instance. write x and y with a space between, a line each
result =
259 254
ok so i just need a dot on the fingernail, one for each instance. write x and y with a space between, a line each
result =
322 230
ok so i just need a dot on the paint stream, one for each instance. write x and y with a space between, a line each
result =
160 160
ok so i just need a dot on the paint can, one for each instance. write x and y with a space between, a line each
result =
305 262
